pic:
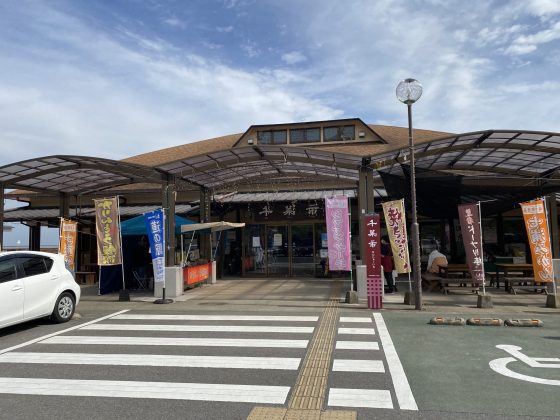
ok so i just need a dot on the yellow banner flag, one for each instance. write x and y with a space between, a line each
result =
539 240
396 226
108 231
67 242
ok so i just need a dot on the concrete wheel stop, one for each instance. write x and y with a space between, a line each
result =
486 322
523 323
439 320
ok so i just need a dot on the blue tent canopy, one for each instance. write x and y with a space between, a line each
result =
137 226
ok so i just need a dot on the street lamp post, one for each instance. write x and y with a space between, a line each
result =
408 92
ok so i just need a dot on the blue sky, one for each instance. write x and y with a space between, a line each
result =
117 78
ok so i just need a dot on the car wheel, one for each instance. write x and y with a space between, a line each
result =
64 308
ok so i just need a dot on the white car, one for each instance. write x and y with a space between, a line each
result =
34 285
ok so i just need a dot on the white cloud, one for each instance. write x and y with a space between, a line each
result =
173 21
225 29
525 44
250 49
293 57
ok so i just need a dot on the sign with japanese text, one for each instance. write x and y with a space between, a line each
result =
292 210
372 238
154 224
108 231
67 242
472 240
195 274
539 240
338 233
395 221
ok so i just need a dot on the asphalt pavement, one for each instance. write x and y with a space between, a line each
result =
220 351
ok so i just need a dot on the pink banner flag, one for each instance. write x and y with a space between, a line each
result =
338 233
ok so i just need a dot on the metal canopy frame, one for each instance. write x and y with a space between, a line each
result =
282 163
524 154
74 174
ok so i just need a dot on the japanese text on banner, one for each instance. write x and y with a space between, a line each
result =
338 233
396 227
536 224
472 240
108 231
155 226
67 242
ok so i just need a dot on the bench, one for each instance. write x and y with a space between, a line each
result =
85 277
471 289
524 283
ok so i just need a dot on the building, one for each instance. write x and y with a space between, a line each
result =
275 177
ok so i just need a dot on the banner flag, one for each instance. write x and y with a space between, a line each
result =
395 221
539 240
67 242
371 224
154 224
338 233
472 240
108 231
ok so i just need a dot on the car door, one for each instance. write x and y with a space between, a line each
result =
11 292
40 285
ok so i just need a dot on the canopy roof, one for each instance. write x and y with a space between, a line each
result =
74 174
212 226
137 225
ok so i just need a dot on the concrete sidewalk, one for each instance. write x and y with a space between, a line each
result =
314 293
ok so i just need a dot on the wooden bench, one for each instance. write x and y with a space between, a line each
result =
524 283
471 289
85 277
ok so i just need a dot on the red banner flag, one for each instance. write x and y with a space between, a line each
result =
372 240
67 242
472 240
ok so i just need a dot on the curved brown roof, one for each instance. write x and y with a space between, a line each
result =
396 138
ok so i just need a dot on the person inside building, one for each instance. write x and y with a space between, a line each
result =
388 264
436 260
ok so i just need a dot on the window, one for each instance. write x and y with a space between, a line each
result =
33 266
273 137
7 270
339 133
305 135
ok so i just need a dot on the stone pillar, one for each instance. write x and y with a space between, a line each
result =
366 201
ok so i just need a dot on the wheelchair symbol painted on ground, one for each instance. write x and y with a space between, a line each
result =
501 365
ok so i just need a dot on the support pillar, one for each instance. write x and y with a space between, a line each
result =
64 205
366 203
204 240
35 237
168 205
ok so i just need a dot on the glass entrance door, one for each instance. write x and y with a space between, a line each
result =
303 263
277 254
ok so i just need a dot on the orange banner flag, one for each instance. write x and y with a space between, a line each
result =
539 239
67 242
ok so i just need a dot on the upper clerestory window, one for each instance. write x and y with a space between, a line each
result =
273 137
305 135
339 133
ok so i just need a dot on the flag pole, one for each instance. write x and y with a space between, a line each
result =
548 228
481 249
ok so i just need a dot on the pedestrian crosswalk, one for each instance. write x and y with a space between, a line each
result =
227 357
359 359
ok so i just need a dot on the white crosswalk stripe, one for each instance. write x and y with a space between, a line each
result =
198 328
263 394
371 363
179 341
218 318
140 333
231 362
